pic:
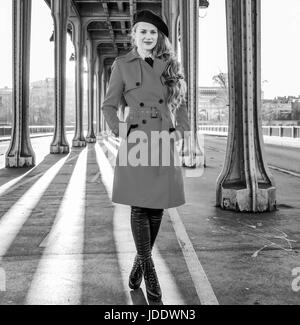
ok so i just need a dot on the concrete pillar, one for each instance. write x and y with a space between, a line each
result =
60 13
78 140
20 152
245 183
90 138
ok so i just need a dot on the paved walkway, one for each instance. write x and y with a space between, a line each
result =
62 241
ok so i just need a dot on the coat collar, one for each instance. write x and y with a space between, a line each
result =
132 55
159 65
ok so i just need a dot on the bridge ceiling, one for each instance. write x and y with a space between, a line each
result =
109 21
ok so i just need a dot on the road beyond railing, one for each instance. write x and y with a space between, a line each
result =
271 135
271 131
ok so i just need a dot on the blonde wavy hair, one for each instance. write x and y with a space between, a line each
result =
173 73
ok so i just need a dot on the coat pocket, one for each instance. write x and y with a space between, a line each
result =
132 76
131 86
131 127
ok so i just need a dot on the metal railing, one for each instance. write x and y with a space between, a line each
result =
5 131
273 131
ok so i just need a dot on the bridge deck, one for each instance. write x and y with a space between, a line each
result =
62 241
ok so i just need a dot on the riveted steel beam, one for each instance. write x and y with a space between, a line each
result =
109 25
133 10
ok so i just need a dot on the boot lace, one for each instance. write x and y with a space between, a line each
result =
151 275
136 269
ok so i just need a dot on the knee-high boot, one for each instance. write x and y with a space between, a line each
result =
155 218
140 228
143 263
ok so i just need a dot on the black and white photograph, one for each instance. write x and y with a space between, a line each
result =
149 155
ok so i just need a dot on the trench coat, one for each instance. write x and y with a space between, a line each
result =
155 186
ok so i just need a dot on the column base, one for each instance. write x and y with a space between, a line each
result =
78 143
57 149
241 200
91 139
19 162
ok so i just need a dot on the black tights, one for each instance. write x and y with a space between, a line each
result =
145 224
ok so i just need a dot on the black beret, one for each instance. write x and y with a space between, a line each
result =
148 16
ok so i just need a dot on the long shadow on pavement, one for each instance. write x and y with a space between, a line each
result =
8 174
16 191
102 280
22 258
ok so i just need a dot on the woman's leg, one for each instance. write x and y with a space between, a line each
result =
140 228
141 231
155 218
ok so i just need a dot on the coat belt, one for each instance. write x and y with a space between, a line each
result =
153 113
150 112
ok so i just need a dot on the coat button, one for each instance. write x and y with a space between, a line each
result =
138 84
161 101
142 104
144 121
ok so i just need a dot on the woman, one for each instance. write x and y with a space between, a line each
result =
150 79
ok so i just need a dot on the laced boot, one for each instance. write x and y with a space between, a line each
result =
141 233
136 274
154 217
151 281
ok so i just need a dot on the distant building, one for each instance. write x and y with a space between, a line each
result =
281 111
213 105
41 103
296 110
5 106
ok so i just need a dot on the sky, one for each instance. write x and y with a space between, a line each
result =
42 50
280 45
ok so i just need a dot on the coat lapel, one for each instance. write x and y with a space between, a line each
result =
134 76
159 66
134 72
131 56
